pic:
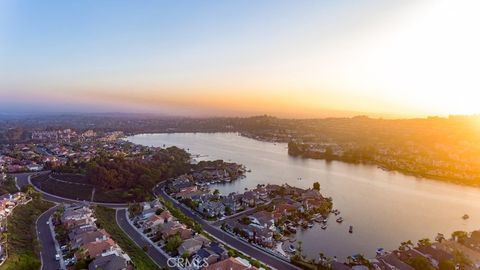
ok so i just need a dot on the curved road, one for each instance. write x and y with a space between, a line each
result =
152 252
23 179
159 258
48 246
48 251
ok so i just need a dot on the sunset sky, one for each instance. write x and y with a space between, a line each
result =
286 58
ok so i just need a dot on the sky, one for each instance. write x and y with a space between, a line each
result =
225 58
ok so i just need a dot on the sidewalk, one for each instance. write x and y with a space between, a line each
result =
145 237
57 246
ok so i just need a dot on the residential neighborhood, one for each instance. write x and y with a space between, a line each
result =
177 240
83 244
51 149
8 202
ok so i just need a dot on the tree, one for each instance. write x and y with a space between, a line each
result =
446 265
228 211
216 192
173 242
158 211
460 236
134 209
245 220
185 255
316 186
255 263
463 261
425 242
421 263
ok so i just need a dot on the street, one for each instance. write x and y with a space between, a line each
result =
48 246
230 240
152 252
23 179
159 258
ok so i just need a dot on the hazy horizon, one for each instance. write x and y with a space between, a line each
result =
285 58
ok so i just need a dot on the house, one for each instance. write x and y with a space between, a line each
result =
179 183
171 228
261 192
156 220
249 198
263 220
231 203
185 233
146 213
449 246
74 223
189 194
311 194
272 188
34 167
109 262
394 263
218 249
89 236
190 246
263 237
281 210
93 249
434 254
166 216
212 209
231 264
206 255
312 203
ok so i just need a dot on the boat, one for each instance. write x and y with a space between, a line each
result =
324 227
319 219
292 229
310 225
350 230
340 220
380 251
466 217
335 211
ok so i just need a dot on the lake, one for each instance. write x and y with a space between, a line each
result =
385 208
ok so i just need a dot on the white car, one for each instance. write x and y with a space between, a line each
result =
57 257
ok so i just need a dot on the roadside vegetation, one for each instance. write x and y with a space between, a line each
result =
22 242
8 186
177 213
106 220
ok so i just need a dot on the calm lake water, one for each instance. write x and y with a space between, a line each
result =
385 208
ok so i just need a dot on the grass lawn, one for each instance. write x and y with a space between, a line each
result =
106 219
22 242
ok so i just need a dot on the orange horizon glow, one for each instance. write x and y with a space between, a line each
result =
414 59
